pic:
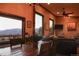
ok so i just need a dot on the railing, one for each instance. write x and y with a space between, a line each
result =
6 38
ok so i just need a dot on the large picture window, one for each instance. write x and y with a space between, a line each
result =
10 26
38 24
51 26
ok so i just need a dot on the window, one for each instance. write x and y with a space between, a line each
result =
51 24
38 24
9 26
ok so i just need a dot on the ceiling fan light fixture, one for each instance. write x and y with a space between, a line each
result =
58 13
63 12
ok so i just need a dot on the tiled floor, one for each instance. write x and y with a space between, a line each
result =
17 51
8 52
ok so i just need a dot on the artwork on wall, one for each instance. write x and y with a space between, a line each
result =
71 26
29 24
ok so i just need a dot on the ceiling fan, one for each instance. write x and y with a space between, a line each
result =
65 13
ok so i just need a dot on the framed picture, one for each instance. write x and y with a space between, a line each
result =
71 26
29 24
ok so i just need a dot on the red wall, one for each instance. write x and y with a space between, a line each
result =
65 21
26 10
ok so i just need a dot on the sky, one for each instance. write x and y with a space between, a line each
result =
9 23
38 21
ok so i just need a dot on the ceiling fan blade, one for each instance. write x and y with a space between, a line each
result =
63 12
70 13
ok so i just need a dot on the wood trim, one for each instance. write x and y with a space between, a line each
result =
23 29
42 23
47 9
33 20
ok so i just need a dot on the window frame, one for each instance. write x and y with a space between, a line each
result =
42 23
8 15
52 26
